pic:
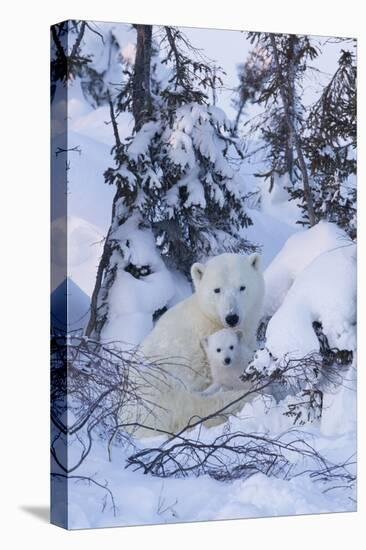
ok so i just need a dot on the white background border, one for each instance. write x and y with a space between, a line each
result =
24 200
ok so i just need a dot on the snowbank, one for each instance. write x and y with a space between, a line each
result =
69 306
297 253
269 233
325 291
84 248
275 200
133 301
144 499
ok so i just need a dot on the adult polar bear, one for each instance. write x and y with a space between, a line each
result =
229 291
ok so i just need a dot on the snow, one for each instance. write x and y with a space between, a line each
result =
335 422
145 499
312 298
276 200
195 189
141 141
309 274
129 53
133 301
193 128
269 233
75 315
181 148
298 252
84 246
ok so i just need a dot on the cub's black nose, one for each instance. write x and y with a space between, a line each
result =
232 319
227 360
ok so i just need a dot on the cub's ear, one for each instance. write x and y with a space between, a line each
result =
197 271
255 261
204 343
239 334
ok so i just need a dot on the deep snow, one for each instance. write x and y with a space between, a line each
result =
298 267
143 499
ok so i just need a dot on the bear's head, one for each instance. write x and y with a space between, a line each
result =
228 287
222 348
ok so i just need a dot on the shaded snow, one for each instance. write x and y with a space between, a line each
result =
275 200
133 301
299 271
84 247
143 499
325 291
297 253
269 233
69 306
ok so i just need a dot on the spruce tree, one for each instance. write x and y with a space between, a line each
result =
252 75
278 88
331 145
174 177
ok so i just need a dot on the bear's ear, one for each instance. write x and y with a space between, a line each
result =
197 271
255 261
204 343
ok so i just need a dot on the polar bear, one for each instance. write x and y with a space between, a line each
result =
227 357
228 293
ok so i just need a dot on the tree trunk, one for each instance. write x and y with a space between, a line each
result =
141 97
292 130
141 109
291 103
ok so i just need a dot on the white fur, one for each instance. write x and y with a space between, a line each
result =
175 341
227 357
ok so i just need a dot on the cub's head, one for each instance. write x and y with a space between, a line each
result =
222 348
228 286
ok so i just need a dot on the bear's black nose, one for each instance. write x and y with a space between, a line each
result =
227 360
232 319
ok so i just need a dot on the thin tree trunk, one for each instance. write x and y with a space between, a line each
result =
238 115
113 121
291 96
103 264
292 130
141 97
106 254
141 109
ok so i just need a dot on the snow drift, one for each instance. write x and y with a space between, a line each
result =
298 292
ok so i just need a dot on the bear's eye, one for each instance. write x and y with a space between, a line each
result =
231 347
218 350
216 290
242 288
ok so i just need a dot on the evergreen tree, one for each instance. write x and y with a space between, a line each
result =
278 88
173 176
331 144
252 74
68 61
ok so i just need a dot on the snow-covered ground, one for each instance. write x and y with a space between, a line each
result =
310 276
144 499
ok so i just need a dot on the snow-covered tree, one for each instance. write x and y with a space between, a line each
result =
331 145
68 60
73 58
252 75
175 183
178 176
282 60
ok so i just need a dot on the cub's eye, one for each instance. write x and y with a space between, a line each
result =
218 350
231 347
217 290
242 288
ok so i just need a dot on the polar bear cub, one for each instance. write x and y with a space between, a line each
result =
227 357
